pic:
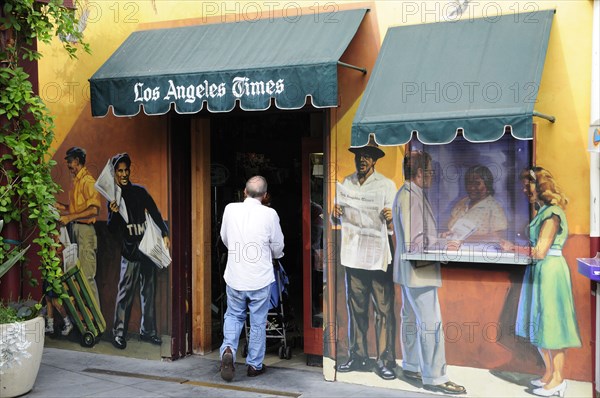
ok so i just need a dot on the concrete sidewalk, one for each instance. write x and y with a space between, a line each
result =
72 373
67 373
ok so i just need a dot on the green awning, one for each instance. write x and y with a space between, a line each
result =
475 76
250 61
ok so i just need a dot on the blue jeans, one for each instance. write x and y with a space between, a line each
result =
257 302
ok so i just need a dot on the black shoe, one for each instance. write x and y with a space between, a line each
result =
446 388
227 369
412 375
354 364
151 338
253 372
119 342
384 372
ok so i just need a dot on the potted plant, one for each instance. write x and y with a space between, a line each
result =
21 347
27 190
21 337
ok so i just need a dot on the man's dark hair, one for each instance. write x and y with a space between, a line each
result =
120 158
413 161
76 153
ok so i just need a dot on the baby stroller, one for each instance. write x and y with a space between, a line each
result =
277 323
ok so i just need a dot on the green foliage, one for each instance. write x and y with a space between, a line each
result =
18 311
31 20
12 259
27 190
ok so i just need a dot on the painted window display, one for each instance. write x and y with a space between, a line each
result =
475 200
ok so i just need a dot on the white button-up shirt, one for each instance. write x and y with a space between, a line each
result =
253 238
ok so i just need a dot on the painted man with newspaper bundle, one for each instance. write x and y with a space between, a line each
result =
134 264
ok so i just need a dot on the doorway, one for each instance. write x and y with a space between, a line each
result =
266 143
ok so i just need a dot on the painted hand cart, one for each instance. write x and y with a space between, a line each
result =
82 306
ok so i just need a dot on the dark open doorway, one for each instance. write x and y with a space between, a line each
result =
269 144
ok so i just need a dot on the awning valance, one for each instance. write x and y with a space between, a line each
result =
253 62
475 76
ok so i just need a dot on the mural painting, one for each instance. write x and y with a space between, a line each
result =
547 296
137 266
422 341
53 304
489 296
121 247
364 209
77 218
80 214
458 208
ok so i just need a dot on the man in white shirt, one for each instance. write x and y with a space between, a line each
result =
368 283
253 237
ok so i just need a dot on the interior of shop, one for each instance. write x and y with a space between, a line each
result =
244 144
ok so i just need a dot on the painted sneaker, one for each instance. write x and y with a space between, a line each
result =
67 328
49 327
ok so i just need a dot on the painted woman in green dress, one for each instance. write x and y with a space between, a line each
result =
546 312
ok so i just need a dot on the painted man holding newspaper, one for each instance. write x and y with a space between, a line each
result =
134 264
364 209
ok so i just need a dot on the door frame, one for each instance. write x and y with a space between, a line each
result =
313 337
180 227
201 242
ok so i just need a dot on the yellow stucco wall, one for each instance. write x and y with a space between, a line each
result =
564 91
64 84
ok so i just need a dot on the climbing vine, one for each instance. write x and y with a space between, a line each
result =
27 190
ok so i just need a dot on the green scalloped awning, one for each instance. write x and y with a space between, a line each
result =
476 76
216 66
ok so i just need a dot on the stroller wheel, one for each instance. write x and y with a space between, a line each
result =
245 350
281 352
288 352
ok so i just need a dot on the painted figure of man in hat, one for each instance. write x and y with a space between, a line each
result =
366 283
135 266
422 335
81 213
